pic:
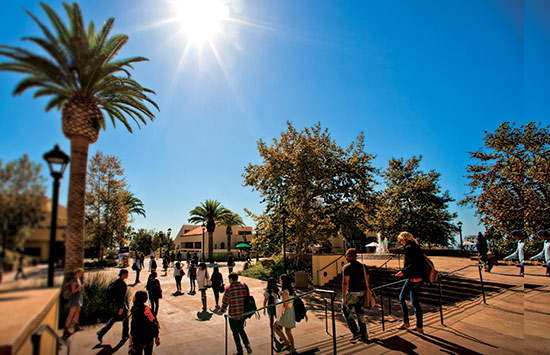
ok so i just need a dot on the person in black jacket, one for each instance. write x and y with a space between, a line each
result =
145 329
414 269
155 292
482 248
120 308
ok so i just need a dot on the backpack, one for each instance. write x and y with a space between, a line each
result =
431 273
134 266
153 264
299 309
144 324
110 293
67 290
249 304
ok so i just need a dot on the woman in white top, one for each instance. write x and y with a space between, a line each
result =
287 318
203 281
178 274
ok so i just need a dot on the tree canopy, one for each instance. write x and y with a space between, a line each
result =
317 187
22 199
510 179
412 201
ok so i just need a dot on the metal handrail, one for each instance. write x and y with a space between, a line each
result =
36 337
332 262
386 262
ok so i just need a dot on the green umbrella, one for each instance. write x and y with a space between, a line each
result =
242 245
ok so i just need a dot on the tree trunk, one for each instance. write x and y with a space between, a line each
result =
211 246
74 239
229 242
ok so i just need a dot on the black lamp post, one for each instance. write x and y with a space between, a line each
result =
168 233
202 244
57 161
459 224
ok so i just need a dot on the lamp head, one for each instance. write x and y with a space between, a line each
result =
57 161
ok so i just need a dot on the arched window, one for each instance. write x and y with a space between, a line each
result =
222 245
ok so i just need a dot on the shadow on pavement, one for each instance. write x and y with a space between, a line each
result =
107 349
397 343
446 345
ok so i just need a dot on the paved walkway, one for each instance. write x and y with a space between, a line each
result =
513 322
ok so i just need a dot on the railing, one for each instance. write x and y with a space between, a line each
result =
326 266
332 296
36 338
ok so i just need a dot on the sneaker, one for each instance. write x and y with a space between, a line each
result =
366 340
248 349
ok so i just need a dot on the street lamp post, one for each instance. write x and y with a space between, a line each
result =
57 162
202 244
459 224
168 233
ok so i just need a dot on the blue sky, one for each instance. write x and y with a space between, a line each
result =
417 77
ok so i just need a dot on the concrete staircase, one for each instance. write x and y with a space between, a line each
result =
454 288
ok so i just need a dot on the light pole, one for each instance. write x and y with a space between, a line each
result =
168 233
202 244
57 161
459 224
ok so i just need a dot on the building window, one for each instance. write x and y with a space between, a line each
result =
216 246
188 245
197 245
222 245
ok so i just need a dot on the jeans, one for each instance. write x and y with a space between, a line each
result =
178 283
115 318
355 302
154 305
145 349
137 276
411 288
192 283
237 328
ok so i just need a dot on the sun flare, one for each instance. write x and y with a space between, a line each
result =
201 19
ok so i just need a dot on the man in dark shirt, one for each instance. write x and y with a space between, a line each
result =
354 289
120 308
482 248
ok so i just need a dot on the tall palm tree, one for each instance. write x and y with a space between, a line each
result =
210 212
134 205
76 68
230 220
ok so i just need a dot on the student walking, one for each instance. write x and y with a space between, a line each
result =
203 279
138 265
216 280
165 262
519 253
482 248
144 331
179 257
192 273
155 292
75 301
230 263
271 295
19 271
354 289
287 318
178 274
152 264
545 252
414 269
233 298
120 308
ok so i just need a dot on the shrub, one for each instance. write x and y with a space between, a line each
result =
275 268
96 308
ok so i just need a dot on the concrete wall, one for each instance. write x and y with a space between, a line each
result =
319 261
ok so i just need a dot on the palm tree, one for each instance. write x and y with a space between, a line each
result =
79 73
134 205
210 212
230 220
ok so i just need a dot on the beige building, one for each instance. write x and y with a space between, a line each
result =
190 238
37 244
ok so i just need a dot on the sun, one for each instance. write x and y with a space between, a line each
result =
201 19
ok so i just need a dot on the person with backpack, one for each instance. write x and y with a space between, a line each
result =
152 264
234 298
354 290
216 280
192 273
155 292
287 317
75 300
178 274
138 265
483 248
414 269
116 294
144 331
203 279
271 295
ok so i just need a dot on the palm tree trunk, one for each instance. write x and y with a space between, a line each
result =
228 242
211 246
74 238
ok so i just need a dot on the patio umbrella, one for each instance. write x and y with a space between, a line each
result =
242 245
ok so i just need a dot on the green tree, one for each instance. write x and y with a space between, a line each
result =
22 199
412 201
317 187
212 213
134 205
76 67
510 180
230 220
106 207
142 241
